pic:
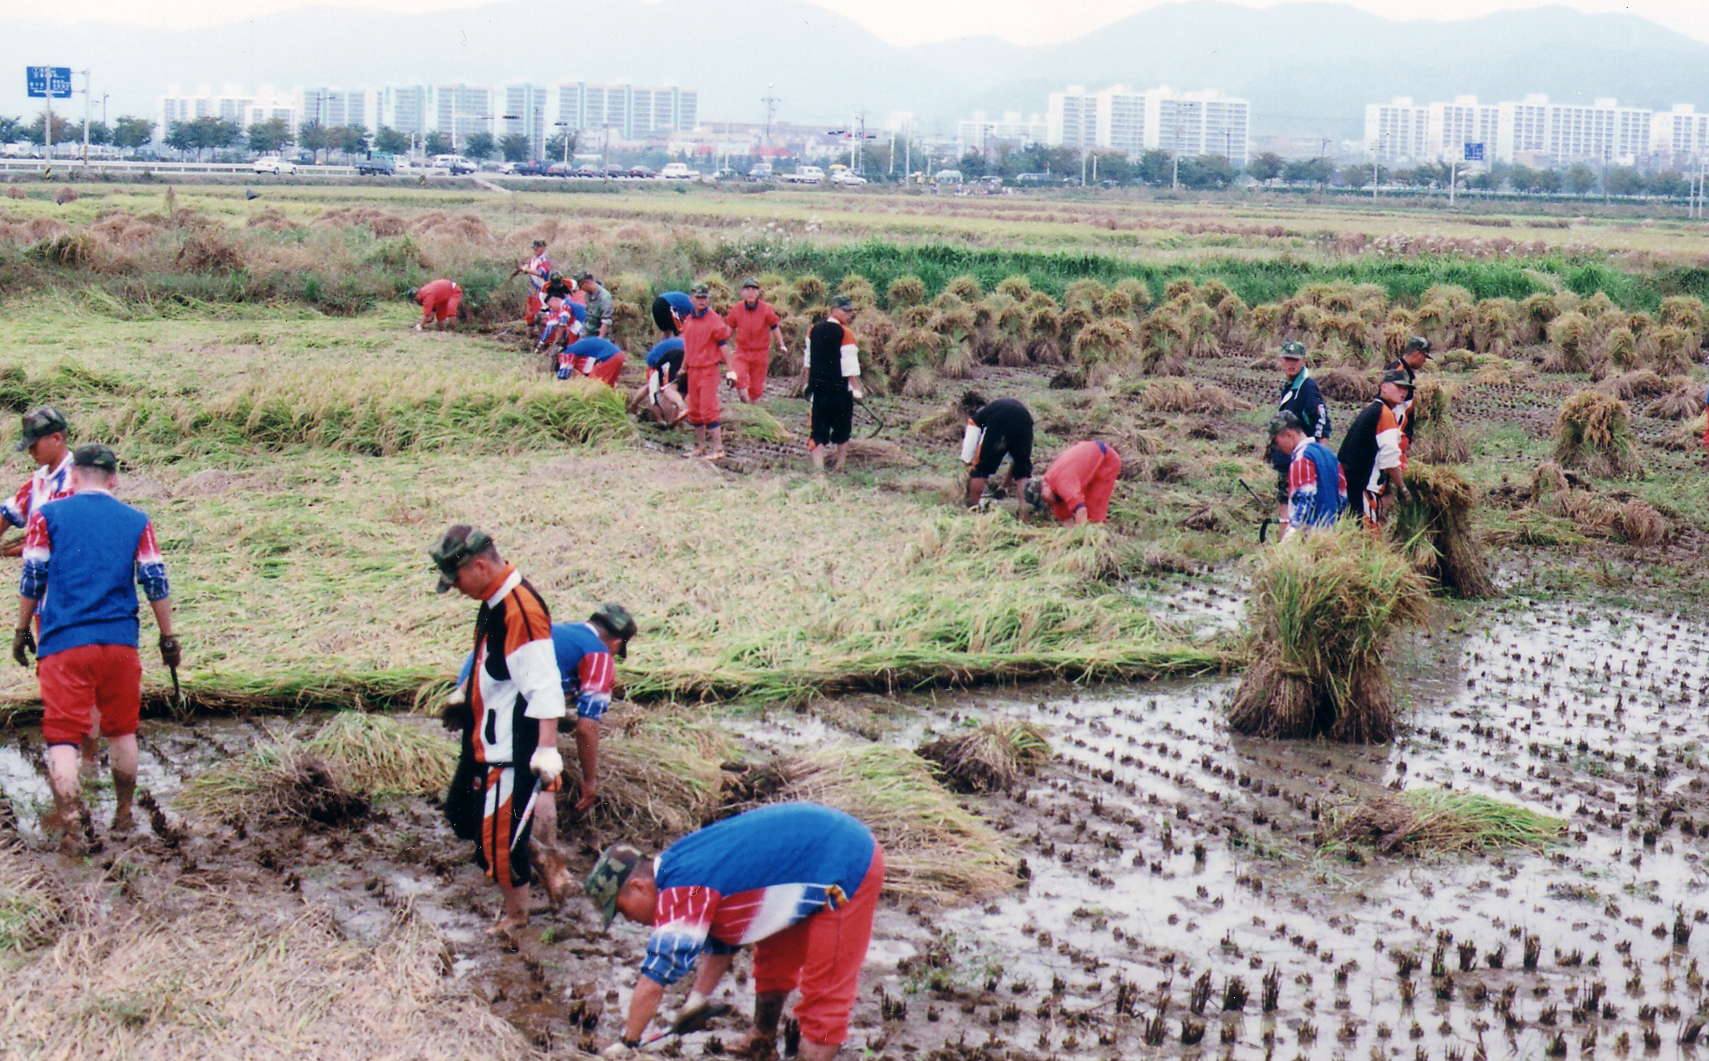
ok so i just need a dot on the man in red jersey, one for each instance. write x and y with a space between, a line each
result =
755 323
706 346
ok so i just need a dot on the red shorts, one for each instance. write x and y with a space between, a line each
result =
703 407
81 682
822 956
608 370
532 313
752 367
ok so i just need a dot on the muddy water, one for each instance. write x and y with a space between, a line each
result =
1168 859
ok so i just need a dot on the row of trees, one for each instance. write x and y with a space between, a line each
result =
1580 178
126 132
275 134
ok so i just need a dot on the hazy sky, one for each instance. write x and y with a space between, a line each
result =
897 21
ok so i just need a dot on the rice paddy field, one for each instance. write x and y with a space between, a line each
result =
1087 860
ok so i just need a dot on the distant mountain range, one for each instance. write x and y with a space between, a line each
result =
1308 69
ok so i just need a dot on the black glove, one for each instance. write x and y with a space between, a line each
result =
23 643
171 652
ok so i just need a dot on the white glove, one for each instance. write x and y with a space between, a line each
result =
456 697
616 1049
547 764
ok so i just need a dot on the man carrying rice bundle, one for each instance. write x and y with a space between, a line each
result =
509 716
1317 489
797 880
1078 485
91 551
1370 454
664 396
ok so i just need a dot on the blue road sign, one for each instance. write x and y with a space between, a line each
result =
44 81
1474 152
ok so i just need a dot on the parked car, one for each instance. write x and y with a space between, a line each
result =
679 171
562 169
644 172
457 165
531 168
804 175
275 165
760 172
848 178
377 164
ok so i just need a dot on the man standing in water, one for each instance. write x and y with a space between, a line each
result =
91 550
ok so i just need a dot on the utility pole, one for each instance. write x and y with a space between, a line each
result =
85 74
771 101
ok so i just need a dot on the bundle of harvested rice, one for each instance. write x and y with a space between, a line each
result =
1436 435
1323 608
276 783
754 423
933 849
1433 528
225 981
1433 820
660 773
382 756
1594 432
1346 385
990 758
1682 402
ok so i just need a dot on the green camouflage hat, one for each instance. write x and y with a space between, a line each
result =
459 542
751 281
1294 350
618 623
95 455
608 877
40 423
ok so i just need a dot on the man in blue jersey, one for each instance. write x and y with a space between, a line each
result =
593 357
92 550
1317 487
664 396
798 881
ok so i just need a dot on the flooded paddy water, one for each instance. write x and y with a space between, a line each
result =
1178 899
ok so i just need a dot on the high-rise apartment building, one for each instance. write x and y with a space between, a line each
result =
981 133
1531 131
1397 131
1122 119
624 112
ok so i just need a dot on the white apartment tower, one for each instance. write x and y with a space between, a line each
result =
1133 122
1397 131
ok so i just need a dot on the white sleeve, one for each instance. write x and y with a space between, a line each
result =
1388 449
851 360
806 357
534 669
653 384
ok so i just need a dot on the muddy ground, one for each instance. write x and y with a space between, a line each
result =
1179 899
1172 869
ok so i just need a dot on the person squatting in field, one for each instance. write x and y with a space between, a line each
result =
1317 489
84 556
1078 485
995 430
441 300
561 325
669 309
509 716
664 395
798 881
1301 397
1370 453
706 347
832 368
755 323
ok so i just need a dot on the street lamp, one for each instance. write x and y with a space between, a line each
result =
565 136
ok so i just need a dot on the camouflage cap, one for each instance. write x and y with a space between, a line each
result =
583 275
751 281
618 623
1419 343
842 302
608 877
539 243
1294 350
457 545
40 423
95 455
1033 494
701 291
1286 420
1398 377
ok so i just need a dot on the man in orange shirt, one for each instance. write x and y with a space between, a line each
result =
706 346
440 301
1078 484
755 324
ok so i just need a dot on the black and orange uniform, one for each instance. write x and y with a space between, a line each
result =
832 359
514 684
1005 430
